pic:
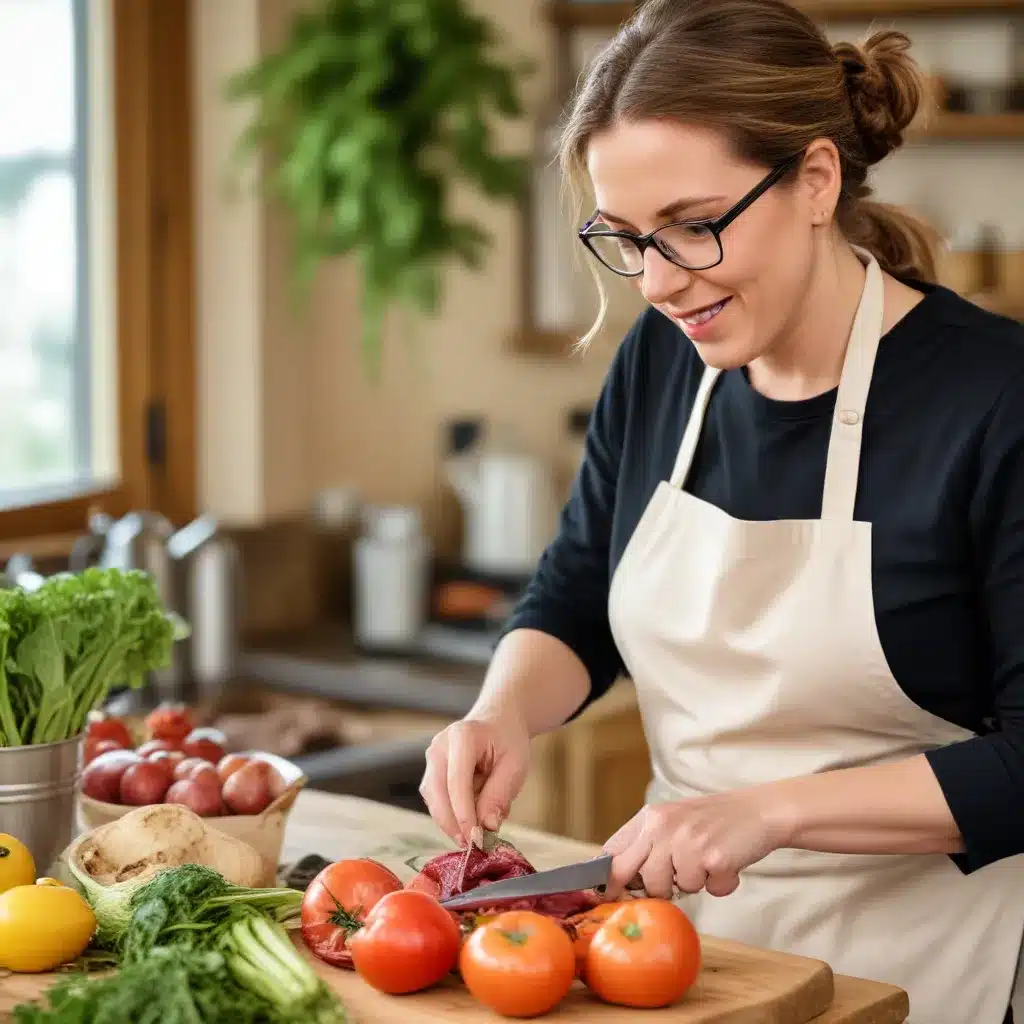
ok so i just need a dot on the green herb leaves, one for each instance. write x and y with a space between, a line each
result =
367 117
194 949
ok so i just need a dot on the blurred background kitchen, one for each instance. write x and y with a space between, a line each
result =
345 509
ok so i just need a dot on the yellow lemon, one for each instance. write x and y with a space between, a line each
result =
42 927
16 864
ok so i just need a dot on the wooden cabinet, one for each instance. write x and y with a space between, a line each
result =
589 777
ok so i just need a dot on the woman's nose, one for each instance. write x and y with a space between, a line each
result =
662 279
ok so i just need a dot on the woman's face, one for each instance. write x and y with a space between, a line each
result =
649 173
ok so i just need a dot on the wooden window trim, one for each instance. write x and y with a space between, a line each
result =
152 82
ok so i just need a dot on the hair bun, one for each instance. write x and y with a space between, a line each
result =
885 87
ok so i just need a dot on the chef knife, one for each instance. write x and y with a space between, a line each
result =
588 874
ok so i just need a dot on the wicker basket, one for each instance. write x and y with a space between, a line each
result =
263 832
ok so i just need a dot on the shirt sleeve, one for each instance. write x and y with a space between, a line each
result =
567 597
983 777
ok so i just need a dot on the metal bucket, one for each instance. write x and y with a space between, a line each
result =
37 797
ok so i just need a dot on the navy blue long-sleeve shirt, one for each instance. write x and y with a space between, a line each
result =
941 481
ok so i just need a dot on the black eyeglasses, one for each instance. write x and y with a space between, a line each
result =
692 245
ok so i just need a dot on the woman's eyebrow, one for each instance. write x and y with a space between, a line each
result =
672 210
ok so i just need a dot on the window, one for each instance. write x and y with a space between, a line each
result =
46 398
96 334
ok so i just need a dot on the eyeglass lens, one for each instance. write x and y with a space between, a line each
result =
694 246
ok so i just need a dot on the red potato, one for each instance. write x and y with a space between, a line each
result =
94 747
207 774
201 795
152 746
167 760
101 779
144 783
190 766
207 743
229 764
277 783
251 789
172 757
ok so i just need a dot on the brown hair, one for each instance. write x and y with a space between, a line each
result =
766 75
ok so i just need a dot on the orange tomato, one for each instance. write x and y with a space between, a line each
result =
647 954
519 964
582 927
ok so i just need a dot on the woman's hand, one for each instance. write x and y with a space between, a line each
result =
695 844
475 769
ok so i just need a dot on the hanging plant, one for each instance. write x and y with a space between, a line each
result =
365 120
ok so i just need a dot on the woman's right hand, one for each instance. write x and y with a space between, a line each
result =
475 769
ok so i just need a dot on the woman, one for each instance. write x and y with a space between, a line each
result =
798 525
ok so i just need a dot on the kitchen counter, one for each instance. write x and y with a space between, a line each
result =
339 827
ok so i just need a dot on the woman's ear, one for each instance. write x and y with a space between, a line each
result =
821 180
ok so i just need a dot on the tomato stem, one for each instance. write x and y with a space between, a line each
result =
632 930
350 921
517 938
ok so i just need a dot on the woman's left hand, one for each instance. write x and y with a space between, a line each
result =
695 844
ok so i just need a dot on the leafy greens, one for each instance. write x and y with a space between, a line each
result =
66 644
213 951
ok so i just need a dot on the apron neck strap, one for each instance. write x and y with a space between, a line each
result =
842 465
684 459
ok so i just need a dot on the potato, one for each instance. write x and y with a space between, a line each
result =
250 789
168 760
144 783
190 766
201 795
152 746
207 743
147 840
229 764
101 779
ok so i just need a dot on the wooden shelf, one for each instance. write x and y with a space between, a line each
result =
950 127
906 8
610 15
588 15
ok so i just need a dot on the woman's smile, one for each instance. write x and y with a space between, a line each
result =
701 323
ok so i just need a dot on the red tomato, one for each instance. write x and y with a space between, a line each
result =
169 722
647 954
94 747
519 964
408 943
106 727
336 904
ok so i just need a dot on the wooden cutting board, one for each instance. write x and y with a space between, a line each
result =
738 985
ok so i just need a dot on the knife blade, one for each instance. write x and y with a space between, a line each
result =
588 874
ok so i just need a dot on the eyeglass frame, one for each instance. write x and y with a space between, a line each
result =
715 225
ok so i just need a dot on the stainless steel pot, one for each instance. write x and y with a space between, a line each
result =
37 797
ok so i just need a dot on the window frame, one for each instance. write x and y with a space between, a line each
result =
154 236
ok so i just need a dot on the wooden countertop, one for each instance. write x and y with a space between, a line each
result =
339 826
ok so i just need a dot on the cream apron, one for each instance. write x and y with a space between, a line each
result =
755 654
